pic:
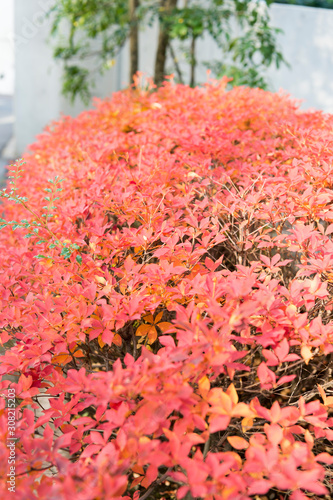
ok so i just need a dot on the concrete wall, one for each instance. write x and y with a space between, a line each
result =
6 47
307 44
38 98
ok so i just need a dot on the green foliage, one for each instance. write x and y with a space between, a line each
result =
253 50
325 4
38 222
87 29
96 31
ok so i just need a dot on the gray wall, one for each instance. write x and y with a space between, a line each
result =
307 44
37 96
6 47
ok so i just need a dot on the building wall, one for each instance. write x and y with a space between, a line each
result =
6 47
307 44
37 98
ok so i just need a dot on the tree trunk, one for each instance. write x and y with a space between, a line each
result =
134 39
193 62
163 41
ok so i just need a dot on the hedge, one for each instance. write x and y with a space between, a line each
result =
166 290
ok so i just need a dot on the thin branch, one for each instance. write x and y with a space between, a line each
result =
155 483
175 62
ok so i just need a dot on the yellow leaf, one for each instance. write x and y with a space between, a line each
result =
231 391
100 280
144 440
247 424
306 354
47 263
204 386
238 442
100 341
220 401
328 401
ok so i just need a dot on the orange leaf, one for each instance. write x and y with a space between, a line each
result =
138 469
47 263
117 340
164 326
79 354
247 424
231 391
152 335
149 318
100 341
61 359
158 317
238 442
100 280
242 410
136 481
328 401
143 330
220 401
204 386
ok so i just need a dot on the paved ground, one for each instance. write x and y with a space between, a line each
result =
6 130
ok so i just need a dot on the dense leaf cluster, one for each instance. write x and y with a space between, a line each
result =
173 339
325 4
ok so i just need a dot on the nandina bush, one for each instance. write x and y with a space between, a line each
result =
166 300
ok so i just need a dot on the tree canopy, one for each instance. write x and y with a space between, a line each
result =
97 30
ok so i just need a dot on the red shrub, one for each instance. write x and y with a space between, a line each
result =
180 318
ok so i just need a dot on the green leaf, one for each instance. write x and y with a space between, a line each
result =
65 252
79 259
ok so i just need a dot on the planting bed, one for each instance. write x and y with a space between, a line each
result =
169 296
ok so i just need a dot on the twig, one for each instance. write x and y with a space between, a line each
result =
310 394
206 447
135 349
154 484
73 358
175 62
